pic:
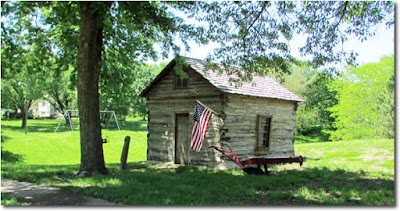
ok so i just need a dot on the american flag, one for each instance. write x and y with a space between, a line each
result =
202 116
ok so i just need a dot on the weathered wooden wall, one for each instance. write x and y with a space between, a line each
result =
241 121
164 102
237 127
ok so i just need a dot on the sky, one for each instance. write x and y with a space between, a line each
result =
371 50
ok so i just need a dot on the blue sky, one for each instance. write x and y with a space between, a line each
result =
368 51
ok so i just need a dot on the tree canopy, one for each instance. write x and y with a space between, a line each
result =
365 97
25 55
256 35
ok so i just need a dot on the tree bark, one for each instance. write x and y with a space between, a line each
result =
24 113
89 63
24 118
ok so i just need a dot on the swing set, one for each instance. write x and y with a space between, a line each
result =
69 114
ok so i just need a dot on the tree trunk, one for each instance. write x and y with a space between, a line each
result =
67 121
89 63
24 114
24 118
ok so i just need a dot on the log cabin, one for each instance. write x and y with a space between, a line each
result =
256 118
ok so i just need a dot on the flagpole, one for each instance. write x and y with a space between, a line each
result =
189 149
190 142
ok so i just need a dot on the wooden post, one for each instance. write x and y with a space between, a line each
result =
124 155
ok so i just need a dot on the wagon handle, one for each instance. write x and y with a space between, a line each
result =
231 155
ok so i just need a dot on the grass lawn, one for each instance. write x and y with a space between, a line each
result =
355 172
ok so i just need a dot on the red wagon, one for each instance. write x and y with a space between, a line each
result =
259 161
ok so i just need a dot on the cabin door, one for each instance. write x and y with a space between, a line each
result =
181 138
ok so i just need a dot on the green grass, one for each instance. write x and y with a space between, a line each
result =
366 155
45 147
356 172
7 200
316 134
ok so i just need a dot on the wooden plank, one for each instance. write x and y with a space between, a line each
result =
182 141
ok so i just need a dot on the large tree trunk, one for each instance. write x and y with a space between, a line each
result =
89 63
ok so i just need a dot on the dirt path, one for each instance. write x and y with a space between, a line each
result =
41 195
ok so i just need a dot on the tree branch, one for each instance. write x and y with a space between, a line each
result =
264 5
6 36
343 13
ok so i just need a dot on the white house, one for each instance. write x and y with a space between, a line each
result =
44 109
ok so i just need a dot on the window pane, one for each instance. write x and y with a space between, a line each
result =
184 82
264 130
180 82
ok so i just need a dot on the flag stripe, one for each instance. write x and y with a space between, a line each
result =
204 123
196 133
202 118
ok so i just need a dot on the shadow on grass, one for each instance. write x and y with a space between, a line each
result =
4 138
144 185
7 156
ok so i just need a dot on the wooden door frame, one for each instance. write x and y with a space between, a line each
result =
176 134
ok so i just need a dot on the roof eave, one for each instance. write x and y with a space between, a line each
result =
258 96
170 65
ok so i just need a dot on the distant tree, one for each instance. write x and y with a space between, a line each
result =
320 98
63 31
312 86
365 97
59 88
143 79
25 56
122 84
296 82
296 79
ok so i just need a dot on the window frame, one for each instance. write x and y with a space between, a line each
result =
260 131
179 82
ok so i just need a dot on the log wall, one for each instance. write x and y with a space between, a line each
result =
241 125
237 127
164 102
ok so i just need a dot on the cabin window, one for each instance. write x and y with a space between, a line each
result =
181 82
263 131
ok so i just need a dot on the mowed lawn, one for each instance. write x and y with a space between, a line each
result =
354 172
43 146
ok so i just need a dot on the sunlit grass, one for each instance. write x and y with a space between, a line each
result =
43 146
7 200
354 172
368 155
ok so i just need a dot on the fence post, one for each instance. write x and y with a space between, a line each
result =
124 155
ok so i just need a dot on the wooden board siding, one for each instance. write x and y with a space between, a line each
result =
241 121
164 102
237 127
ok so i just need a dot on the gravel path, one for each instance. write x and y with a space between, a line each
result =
41 195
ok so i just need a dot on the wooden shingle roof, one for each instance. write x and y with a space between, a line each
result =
260 86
